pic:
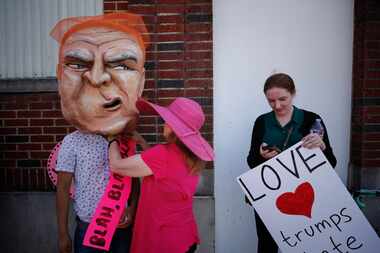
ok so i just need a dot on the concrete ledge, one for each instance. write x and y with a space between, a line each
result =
29 222
28 85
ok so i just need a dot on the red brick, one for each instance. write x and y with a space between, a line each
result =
198 28
170 93
61 122
147 94
170 65
41 106
48 147
109 6
199 8
373 110
52 114
374 75
122 6
198 37
7 163
16 155
7 114
16 122
373 64
198 55
7 131
198 1
30 130
172 28
170 37
372 83
146 128
147 119
198 65
369 137
142 9
170 1
198 46
28 114
42 138
39 155
198 83
370 163
199 74
170 8
44 165
50 96
149 84
41 122
28 98
55 130
371 93
372 44
8 147
199 92
7 98
167 19
18 106
170 56
32 146
150 56
170 74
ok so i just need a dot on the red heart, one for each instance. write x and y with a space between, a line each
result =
298 203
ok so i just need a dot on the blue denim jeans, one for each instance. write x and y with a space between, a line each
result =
121 240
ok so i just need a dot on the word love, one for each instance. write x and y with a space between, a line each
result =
271 178
107 215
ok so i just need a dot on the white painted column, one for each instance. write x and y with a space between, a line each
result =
310 40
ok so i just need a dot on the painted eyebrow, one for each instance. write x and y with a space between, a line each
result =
79 55
121 57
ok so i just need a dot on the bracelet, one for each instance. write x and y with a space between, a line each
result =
110 142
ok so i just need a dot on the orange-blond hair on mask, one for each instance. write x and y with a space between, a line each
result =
132 24
97 108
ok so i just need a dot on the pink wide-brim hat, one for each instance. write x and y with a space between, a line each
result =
185 117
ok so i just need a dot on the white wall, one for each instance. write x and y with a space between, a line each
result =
312 41
27 50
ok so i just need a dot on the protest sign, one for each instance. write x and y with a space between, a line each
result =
305 205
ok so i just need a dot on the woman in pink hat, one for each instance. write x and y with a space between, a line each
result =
165 222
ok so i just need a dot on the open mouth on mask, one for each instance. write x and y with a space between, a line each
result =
113 104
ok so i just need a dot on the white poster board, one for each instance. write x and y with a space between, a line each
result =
305 206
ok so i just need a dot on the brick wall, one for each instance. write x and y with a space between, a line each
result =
31 125
365 146
179 63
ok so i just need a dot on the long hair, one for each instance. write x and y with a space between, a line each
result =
192 161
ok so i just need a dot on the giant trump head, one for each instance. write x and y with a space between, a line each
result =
101 70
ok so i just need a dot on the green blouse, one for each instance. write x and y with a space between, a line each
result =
276 135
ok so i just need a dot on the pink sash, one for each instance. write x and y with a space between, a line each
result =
110 207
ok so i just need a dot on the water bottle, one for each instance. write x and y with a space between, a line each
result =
317 127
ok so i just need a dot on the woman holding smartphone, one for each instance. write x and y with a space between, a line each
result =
279 129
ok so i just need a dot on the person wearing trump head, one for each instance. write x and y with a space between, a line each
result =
100 77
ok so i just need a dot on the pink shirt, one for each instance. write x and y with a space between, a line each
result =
165 221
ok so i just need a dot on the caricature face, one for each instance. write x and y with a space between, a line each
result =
101 76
